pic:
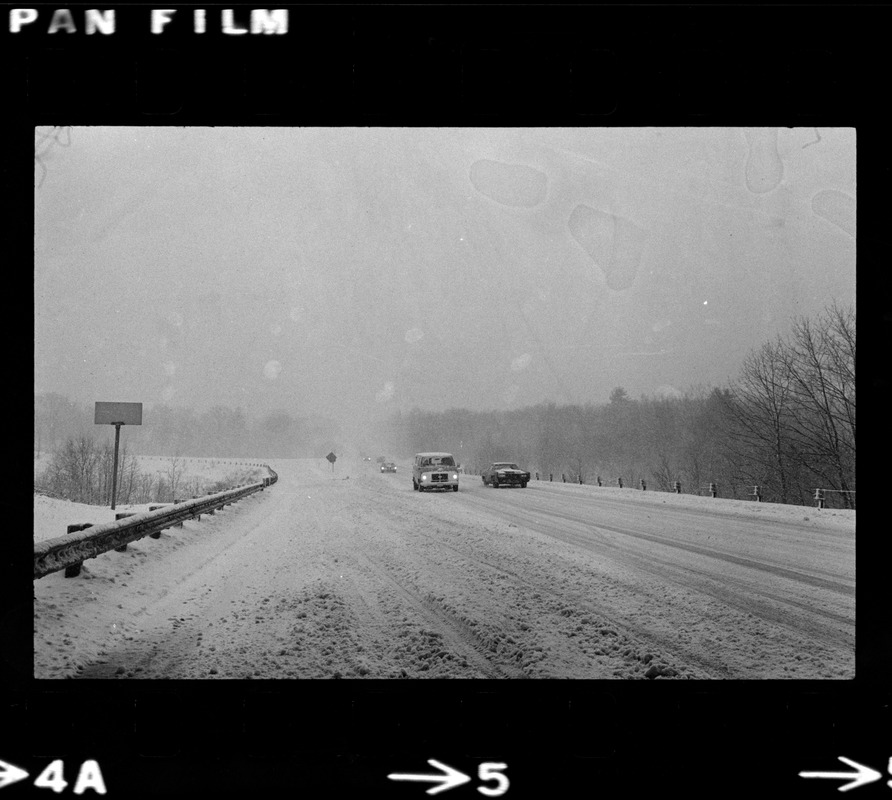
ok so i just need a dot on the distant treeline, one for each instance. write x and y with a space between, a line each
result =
786 424
218 432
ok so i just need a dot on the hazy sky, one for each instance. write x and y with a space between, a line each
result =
352 271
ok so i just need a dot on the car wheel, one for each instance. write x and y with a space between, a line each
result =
414 485
495 483
523 486
455 488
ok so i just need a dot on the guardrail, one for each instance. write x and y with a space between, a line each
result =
712 489
821 495
68 552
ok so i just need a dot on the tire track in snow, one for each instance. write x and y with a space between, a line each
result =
843 588
829 644
742 625
459 633
748 603
634 635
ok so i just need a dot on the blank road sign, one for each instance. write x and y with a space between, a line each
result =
114 413
332 457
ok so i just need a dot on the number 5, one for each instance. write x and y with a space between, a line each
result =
489 771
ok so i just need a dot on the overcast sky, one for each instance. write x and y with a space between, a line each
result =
354 271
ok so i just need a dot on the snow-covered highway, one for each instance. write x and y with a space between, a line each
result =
348 573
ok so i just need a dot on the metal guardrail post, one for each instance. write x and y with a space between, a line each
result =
643 485
619 482
563 478
819 498
75 570
713 490
550 476
123 547
677 487
155 508
757 493
580 480
599 480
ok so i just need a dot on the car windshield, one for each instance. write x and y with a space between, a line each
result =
445 461
506 465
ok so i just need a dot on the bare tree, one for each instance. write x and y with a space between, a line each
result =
129 479
174 474
761 411
822 368
72 471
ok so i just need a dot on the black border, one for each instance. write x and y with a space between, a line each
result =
475 65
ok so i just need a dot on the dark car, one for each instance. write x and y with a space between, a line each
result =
505 473
388 466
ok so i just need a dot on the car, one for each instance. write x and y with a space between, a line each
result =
388 466
434 471
505 473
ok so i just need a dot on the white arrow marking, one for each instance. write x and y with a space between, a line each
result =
9 773
449 780
863 776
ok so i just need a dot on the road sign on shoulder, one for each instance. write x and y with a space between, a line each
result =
332 457
118 414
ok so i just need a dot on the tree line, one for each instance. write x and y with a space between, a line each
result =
219 432
786 424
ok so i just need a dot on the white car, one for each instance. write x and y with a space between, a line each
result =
432 471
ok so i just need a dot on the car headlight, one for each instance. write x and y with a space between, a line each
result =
455 476
424 477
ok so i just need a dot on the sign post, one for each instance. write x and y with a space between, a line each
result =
332 458
117 414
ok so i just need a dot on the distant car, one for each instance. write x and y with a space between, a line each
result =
434 471
388 466
505 473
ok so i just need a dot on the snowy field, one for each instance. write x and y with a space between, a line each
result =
52 516
348 573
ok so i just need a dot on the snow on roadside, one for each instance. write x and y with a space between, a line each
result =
52 515
829 518
88 629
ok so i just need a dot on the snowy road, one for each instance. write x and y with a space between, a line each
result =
325 575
